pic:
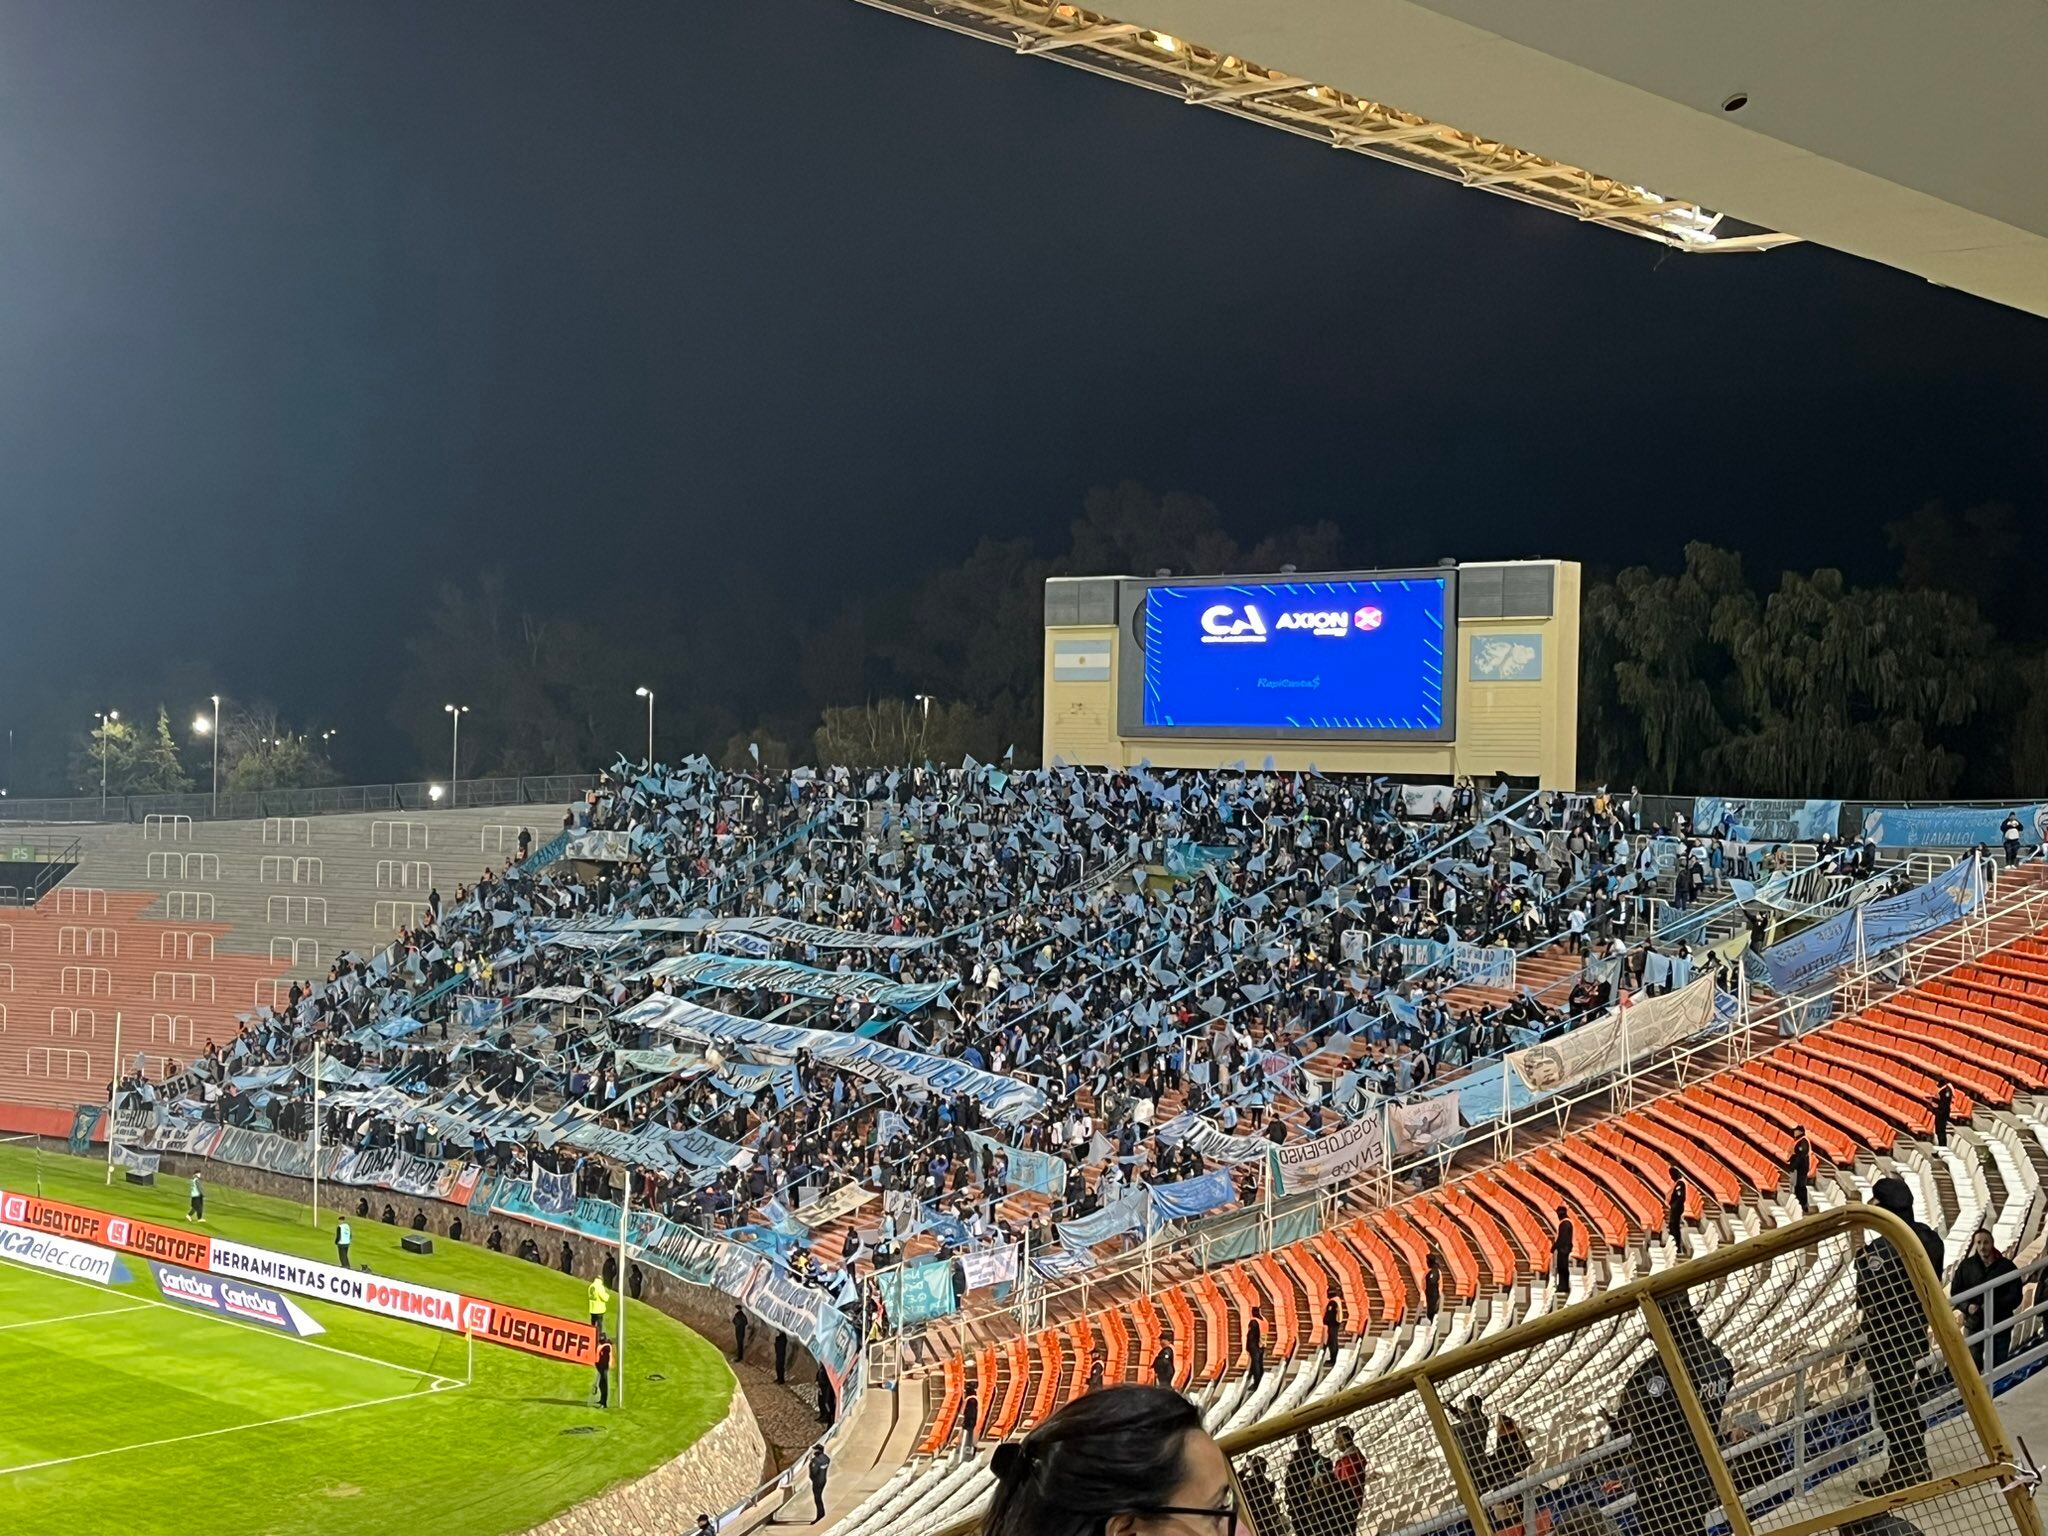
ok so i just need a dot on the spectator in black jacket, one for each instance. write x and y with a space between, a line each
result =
1894 1340
1986 1265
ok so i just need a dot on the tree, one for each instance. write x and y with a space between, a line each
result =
1653 680
104 755
896 733
1697 681
1126 529
971 635
285 762
138 762
880 733
1847 690
1983 554
756 749
258 752
2026 743
546 694
157 768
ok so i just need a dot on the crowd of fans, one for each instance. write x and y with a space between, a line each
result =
1260 953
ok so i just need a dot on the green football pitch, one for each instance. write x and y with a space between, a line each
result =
127 1413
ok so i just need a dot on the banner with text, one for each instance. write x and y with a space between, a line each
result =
1766 821
1954 827
1350 1150
232 1298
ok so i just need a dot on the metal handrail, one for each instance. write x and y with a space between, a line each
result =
1418 1383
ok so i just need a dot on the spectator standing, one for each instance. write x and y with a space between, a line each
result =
970 1417
1162 1363
1561 1253
1894 1339
821 1467
1985 1265
1349 1472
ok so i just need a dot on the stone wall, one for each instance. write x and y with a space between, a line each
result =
717 1472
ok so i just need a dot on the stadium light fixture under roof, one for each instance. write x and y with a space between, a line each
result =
1203 77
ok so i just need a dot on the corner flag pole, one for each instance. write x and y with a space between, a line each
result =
113 1096
625 1208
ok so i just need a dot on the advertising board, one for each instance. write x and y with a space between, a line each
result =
1355 657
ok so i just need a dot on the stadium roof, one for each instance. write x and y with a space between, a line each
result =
1892 130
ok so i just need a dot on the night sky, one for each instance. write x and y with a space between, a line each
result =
306 308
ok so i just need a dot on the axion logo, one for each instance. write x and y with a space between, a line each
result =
1369 617
1222 626
1332 624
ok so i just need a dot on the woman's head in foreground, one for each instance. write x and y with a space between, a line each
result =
1124 1461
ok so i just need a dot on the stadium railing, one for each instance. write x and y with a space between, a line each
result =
331 800
1754 1028
1754 1388
1492 1133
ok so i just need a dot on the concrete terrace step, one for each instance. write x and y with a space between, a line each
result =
180 928
303 890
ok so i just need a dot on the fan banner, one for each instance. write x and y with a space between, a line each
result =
1424 1125
1767 821
1339 1155
989 1266
1615 1040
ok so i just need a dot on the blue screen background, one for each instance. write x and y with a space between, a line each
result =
1259 673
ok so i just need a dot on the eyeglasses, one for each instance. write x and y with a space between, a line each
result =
1230 1515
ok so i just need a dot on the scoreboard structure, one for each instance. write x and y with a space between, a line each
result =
1451 669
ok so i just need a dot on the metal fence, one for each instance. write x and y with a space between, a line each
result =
339 799
1810 1379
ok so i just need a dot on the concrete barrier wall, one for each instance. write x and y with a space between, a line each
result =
717 1472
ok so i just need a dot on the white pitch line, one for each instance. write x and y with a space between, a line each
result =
72 1317
176 1310
208 1434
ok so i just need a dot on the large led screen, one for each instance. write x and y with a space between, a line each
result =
1362 657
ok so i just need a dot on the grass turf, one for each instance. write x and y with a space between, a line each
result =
153 1417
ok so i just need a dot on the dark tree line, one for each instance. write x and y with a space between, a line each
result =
555 693
1933 684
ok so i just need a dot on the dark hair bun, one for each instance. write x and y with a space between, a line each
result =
1009 1461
